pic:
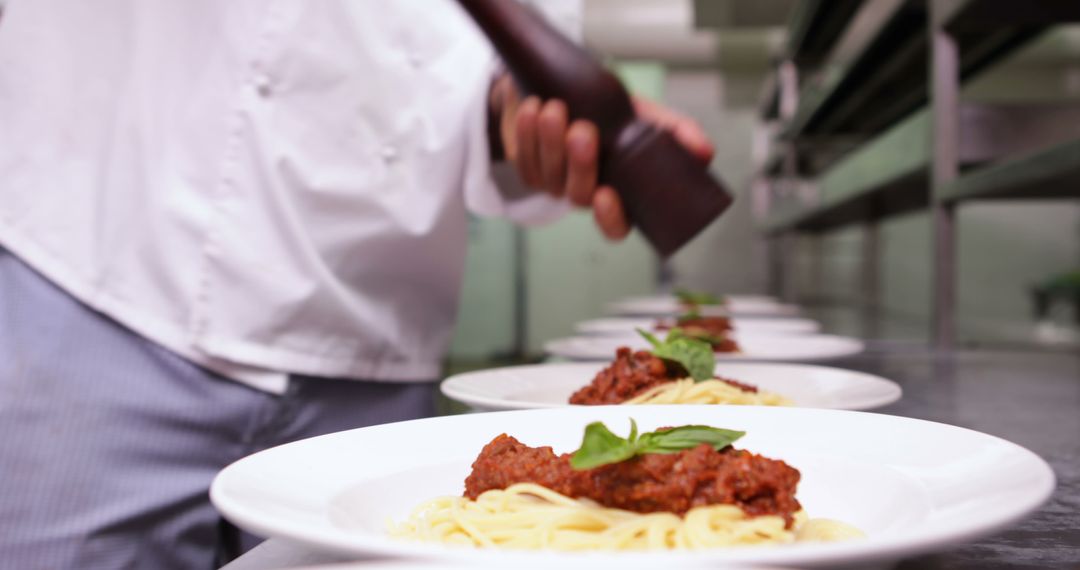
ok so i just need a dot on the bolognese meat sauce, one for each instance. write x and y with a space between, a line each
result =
675 482
629 375
633 373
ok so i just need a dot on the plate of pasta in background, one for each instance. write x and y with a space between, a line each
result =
660 485
707 304
759 384
732 346
754 325
680 368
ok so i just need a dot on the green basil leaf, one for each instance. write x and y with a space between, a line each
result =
704 336
674 334
687 437
600 447
696 297
691 314
649 337
696 356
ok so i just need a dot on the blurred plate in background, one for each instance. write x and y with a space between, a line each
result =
755 347
550 385
751 325
735 306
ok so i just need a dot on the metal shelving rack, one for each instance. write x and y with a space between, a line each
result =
897 90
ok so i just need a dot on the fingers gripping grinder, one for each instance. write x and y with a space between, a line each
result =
667 192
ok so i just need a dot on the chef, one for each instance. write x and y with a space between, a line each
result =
229 225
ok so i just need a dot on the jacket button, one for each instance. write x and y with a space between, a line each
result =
263 85
389 153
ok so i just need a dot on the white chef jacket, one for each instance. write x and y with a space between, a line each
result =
262 186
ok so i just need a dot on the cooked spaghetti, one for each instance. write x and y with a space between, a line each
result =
715 391
529 517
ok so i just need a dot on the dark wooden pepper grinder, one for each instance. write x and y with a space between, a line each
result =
667 192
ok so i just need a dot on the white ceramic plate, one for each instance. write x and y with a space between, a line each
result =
736 305
793 348
550 385
626 325
912 486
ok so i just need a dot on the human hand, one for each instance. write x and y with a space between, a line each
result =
561 157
